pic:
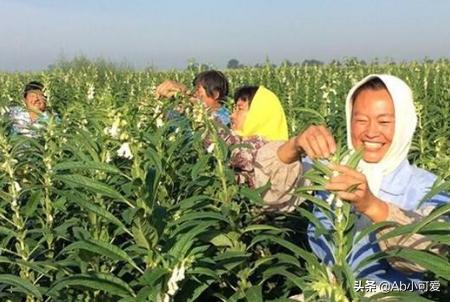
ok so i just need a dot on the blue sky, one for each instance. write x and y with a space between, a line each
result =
34 34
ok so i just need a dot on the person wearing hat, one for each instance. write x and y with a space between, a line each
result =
33 116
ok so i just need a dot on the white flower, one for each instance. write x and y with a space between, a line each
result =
114 130
17 187
3 110
125 151
177 276
338 203
159 122
330 199
210 148
108 157
91 92
157 109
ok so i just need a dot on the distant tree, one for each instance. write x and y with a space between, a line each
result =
354 61
196 67
336 63
286 63
233 64
312 62
84 63
204 67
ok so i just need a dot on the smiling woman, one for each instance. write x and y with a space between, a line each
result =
381 120
27 120
373 120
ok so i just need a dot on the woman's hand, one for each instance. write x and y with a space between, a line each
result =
169 88
351 185
315 142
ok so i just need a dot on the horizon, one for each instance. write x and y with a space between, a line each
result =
125 65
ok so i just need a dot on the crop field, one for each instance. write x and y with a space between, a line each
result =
115 202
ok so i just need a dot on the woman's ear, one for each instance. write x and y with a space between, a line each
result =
216 94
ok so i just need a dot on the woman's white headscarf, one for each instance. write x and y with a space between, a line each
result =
405 124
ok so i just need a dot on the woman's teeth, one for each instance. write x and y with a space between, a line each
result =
370 145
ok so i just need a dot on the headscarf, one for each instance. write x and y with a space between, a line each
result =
405 125
265 117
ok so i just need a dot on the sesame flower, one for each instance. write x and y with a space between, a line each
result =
210 148
178 274
114 130
17 187
125 151
159 122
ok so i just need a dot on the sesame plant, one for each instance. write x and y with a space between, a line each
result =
118 199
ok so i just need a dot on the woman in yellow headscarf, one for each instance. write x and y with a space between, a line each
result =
257 119
258 112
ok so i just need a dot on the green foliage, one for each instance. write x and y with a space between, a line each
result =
165 220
